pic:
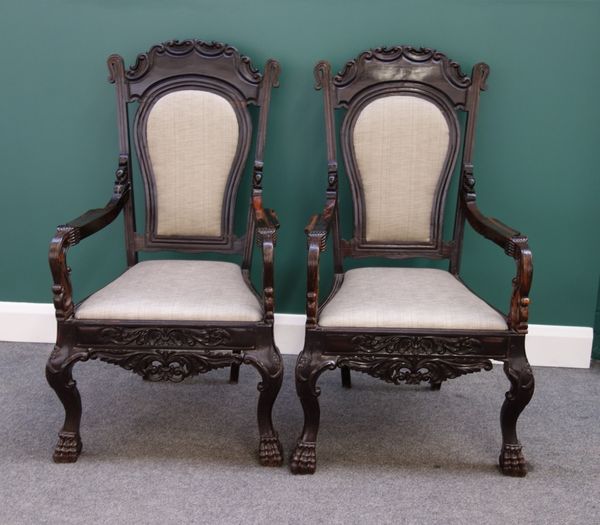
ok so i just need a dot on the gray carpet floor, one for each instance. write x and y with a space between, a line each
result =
186 453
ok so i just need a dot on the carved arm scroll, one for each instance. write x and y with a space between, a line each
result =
316 231
516 246
73 232
266 226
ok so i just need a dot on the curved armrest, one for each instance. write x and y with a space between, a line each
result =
266 226
316 231
70 234
515 244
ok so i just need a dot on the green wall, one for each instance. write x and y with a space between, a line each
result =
537 145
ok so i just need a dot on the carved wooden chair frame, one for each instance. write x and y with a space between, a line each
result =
174 350
409 355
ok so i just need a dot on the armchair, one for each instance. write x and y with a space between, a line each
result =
400 139
171 319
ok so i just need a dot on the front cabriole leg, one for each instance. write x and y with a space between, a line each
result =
310 365
519 373
267 360
60 378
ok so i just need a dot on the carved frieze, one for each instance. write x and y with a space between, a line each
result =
416 345
413 369
166 365
163 337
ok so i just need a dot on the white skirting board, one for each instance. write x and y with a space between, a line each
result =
546 345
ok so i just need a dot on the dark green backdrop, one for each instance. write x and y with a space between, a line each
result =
537 143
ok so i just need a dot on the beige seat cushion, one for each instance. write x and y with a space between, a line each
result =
408 298
175 291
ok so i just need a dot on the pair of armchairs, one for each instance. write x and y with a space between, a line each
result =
171 319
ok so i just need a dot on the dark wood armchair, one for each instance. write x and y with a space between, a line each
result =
400 139
170 319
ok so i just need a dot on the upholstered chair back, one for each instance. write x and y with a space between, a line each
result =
401 144
186 104
400 138
192 137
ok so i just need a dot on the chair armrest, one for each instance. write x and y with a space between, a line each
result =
266 226
72 233
514 244
316 231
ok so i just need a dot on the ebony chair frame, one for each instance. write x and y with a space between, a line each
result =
409 355
174 350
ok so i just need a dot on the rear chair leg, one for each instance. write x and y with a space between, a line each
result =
234 374
346 381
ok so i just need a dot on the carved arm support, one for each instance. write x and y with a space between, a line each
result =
316 231
72 233
516 246
266 226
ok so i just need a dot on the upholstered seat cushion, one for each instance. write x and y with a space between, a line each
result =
175 291
408 298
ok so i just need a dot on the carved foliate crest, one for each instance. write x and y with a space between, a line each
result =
402 55
203 50
397 66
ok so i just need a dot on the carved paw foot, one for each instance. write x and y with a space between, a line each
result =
68 448
512 462
304 458
270 452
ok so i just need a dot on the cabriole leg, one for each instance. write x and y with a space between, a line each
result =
58 374
520 375
309 367
269 364
436 385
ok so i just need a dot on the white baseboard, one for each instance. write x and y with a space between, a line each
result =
546 345
27 322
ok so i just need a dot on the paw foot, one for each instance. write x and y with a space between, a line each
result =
68 448
270 451
512 462
436 386
304 458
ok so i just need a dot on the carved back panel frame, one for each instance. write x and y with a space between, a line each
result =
196 65
423 73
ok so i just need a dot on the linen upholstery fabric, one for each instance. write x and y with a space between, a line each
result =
192 139
175 291
400 144
408 298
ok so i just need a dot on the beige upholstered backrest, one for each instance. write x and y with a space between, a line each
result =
401 144
192 137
